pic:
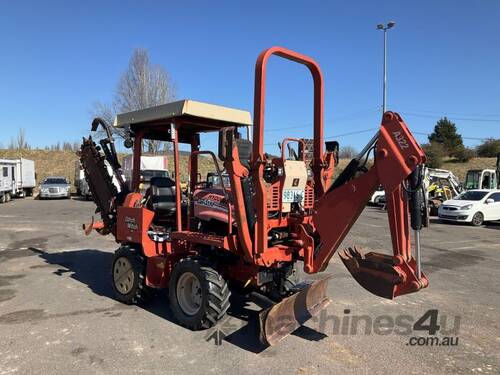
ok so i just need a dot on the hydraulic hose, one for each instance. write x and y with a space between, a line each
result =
416 204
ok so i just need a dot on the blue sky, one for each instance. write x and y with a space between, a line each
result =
443 59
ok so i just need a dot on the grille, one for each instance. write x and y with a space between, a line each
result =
447 217
449 208
53 190
273 198
309 197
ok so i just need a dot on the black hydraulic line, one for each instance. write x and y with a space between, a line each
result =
347 174
416 199
108 147
108 143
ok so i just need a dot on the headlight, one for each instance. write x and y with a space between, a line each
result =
466 207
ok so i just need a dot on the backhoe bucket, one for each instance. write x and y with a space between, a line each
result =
381 275
282 319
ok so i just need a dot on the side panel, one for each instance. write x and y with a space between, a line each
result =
132 226
6 176
28 173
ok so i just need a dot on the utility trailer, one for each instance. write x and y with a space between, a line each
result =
7 182
24 177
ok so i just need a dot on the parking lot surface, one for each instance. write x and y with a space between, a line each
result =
58 315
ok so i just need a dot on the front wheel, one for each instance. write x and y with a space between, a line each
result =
198 294
128 272
478 219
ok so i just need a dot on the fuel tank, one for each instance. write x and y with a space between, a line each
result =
211 204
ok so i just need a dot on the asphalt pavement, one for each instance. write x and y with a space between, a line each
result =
58 315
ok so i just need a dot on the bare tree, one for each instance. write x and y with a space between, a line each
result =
19 143
347 152
141 86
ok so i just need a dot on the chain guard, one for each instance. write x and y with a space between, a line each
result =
100 182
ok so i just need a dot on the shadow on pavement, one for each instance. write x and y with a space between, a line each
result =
92 268
493 225
82 199
488 224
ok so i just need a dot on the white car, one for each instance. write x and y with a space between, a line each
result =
377 195
472 206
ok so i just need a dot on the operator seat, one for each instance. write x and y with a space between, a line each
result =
162 196
162 201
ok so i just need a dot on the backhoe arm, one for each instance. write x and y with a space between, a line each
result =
397 156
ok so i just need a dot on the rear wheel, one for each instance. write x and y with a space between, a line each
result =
477 219
8 197
3 198
128 276
198 294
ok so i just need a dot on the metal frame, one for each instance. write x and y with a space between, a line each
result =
317 232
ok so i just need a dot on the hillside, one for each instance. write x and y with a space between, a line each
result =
61 163
460 169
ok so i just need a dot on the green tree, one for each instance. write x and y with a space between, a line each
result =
445 133
464 154
434 153
489 148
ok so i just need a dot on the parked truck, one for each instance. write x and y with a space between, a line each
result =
7 183
151 166
81 185
24 177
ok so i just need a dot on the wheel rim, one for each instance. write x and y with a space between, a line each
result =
477 219
123 275
189 293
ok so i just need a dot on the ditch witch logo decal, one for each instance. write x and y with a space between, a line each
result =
131 223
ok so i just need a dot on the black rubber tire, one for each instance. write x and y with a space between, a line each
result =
8 197
477 219
215 294
139 292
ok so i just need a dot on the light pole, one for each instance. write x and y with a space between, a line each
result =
381 26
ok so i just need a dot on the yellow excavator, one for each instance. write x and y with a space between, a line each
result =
441 185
